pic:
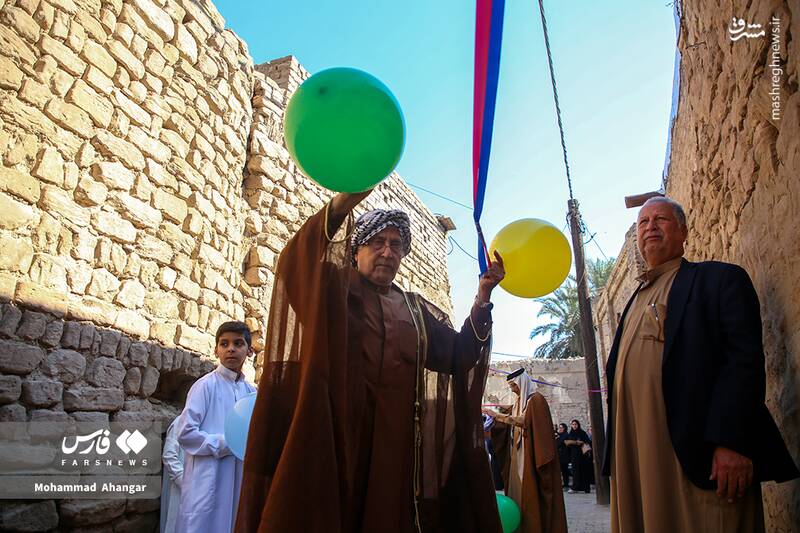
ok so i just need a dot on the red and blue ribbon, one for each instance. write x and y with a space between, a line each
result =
488 41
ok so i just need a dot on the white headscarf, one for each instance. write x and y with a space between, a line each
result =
526 388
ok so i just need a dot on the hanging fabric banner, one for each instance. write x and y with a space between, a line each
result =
488 40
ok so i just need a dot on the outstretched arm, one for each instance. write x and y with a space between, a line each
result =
309 245
506 419
340 206
475 334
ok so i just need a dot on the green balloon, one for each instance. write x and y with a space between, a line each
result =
344 129
509 513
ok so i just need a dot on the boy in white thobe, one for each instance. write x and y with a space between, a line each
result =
212 475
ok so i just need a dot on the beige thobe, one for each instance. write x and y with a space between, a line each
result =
649 490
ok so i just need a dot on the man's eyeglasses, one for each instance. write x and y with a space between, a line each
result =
378 244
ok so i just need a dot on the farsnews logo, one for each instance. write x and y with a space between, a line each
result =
100 443
131 442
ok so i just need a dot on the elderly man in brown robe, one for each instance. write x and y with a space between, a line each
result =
534 478
689 436
521 385
368 412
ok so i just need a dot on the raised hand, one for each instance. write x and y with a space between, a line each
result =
489 279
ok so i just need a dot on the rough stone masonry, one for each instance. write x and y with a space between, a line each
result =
145 194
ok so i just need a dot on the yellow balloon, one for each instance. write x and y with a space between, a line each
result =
536 256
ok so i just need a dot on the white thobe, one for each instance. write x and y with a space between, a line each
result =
172 478
212 476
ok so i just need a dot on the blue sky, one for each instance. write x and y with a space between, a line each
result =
614 68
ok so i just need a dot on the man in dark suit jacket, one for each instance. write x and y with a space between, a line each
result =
688 366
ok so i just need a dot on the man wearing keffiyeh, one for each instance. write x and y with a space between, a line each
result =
534 475
369 404
388 235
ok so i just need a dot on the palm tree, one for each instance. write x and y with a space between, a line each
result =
599 271
565 331
565 337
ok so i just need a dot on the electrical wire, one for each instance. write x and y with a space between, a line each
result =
443 197
453 241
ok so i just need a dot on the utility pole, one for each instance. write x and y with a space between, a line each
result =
589 355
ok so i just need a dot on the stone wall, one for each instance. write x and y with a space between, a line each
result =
145 194
67 371
124 130
609 303
734 166
566 402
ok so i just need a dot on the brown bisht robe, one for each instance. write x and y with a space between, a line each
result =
314 424
542 504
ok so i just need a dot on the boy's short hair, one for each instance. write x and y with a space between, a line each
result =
234 326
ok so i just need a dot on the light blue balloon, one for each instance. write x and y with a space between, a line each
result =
237 424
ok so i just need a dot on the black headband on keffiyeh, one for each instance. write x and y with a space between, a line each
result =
370 224
514 374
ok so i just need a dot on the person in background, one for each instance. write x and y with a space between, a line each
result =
535 476
522 386
172 477
563 454
212 476
488 424
576 439
690 438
